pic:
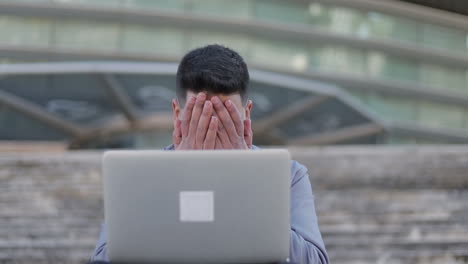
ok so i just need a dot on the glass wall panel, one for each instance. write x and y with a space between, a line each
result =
152 140
375 62
444 77
346 21
110 3
19 30
175 5
444 38
359 96
319 14
16 126
392 108
149 92
33 1
87 35
396 140
238 42
405 30
155 40
333 18
362 23
440 115
282 54
231 9
285 54
466 119
407 110
281 11
396 68
338 59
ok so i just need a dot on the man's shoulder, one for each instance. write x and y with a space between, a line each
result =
298 167
298 170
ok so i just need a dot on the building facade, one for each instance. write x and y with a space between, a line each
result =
323 71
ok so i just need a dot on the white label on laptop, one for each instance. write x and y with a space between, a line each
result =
196 206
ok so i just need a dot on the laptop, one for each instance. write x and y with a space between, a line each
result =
217 206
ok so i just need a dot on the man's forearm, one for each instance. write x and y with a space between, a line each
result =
307 246
302 251
100 252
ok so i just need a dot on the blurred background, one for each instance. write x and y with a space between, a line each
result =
385 82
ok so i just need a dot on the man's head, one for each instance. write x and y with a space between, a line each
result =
217 71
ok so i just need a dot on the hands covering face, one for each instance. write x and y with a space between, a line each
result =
211 124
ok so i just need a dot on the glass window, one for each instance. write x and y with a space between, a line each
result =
466 119
17 126
238 42
375 63
24 31
397 140
281 11
162 4
87 35
236 9
405 29
362 23
152 140
339 59
112 3
280 54
162 41
319 14
391 107
443 77
444 37
440 115
433 141
33 1
347 21
359 96
396 68
381 25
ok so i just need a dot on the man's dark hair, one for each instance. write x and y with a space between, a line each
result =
213 69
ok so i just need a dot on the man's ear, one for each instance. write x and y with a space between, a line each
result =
248 109
175 109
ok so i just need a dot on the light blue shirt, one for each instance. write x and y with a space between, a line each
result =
306 243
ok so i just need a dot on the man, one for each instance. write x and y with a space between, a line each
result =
212 112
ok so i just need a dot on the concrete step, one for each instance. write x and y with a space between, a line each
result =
390 167
423 228
29 255
415 235
388 255
46 243
374 206
68 222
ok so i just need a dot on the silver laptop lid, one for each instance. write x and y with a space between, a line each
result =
227 206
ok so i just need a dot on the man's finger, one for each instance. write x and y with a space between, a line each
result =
210 139
204 123
187 116
223 137
235 116
177 133
225 118
218 144
196 112
248 135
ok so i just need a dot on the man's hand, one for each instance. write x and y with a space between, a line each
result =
198 128
233 133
